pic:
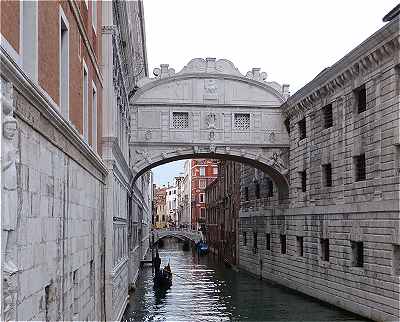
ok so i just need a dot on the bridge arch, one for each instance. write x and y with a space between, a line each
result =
210 110
183 234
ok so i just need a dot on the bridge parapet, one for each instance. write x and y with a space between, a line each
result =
183 234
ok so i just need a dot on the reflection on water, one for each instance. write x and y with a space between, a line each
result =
205 291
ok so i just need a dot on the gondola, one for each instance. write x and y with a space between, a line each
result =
163 279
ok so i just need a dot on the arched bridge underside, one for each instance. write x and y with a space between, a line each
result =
210 110
192 235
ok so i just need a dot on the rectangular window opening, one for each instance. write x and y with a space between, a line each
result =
270 187
180 120
242 121
64 68
302 129
244 238
357 248
257 190
359 167
361 98
328 116
255 245
303 178
94 118
268 241
327 174
85 104
324 242
283 244
300 247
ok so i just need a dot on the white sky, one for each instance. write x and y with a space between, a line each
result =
290 40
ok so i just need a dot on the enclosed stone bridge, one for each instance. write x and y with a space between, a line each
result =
210 110
183 234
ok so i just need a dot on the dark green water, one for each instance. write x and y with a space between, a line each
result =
203 290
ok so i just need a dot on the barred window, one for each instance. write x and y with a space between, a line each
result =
359 167
268 241
242 121
302 129
255 246
361 98
244 238
270 187
303 178
283 244
358 253
257 190
324 249
327 174
328 116
202 183
246 193
300 247
180 120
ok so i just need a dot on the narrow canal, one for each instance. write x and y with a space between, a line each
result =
203 290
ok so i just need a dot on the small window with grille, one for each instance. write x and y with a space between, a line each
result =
270 188
202 183
242 121
360 94
300 246
327 174
359 167
328 116
283 244
257 190
302 129
246 193
180 120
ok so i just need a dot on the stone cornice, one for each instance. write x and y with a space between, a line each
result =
82 31
378 48
37 97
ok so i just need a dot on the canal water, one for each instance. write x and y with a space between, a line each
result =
203 290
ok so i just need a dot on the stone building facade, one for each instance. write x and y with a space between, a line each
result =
75 224
160 204
339 238
53 178
222 212
128 204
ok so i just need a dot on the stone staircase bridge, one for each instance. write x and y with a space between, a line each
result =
182 234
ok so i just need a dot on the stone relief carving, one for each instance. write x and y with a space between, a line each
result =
277 162
255 74
145 155
211 120
212 148
9 203
210 89
148 135
211 136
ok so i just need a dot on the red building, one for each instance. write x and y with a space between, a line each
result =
222 215
204 171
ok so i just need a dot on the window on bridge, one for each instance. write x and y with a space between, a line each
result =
255 240
244 238
180 120
242 121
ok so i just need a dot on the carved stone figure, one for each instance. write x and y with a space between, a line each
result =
278 163
211 120
148 135
210 89
145 156
211 136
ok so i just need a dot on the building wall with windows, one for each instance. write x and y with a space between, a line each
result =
171 202
203 172
51 88
128 204
222 212
161 214
339 239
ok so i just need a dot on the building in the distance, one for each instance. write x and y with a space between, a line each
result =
203 172
160 205
222 212
171 201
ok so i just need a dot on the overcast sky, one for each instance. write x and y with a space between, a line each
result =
290 40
